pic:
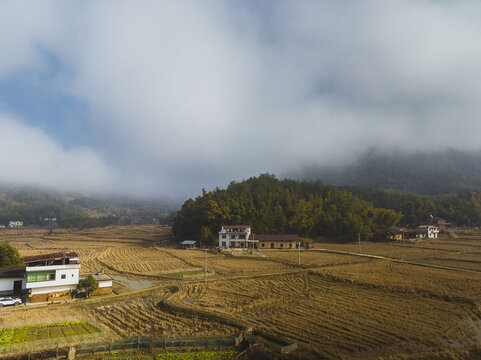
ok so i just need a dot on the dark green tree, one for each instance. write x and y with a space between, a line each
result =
88 284
9 256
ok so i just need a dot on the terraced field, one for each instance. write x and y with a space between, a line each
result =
336 306
338 319
311 259
145 317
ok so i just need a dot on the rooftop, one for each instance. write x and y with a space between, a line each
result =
188 242
12 272
51 256
277 237
235 226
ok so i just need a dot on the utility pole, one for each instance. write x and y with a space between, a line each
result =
205 270
299 253
359 241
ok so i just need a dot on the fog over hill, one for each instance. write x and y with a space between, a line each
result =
164 98
428 173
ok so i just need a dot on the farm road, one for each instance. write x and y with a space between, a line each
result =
400 261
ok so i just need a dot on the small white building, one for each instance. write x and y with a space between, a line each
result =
51 276
428 231
15 224
104 281
235 236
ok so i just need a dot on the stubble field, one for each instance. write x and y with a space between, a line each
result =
335 305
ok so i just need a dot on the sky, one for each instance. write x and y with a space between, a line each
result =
164 98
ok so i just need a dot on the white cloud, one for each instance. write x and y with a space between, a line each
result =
30 157
191 94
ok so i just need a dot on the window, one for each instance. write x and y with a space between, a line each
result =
242 237
40 276
282 245
263 244
290 246
272 245
64 276
223 243
224 236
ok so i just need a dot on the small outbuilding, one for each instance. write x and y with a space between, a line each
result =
188 244
279 241
105 284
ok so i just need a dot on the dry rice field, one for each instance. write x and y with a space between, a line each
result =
335 306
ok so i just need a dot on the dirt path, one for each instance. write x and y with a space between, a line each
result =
400 261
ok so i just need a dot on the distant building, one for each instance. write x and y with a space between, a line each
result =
188 244
429 231
439 222
15 224
2 226
235 236
281 241
397 235
421 232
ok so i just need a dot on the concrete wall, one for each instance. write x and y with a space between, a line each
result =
53 289
264 244
52 296
6 286
102 291
105 284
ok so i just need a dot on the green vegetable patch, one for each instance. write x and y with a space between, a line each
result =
25 334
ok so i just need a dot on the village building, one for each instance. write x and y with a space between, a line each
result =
419 233
280 241
188 244
429 231
105 284
51 277
236 236
15 224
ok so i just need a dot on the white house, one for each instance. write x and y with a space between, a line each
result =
235 236
51 276
15 224
429 231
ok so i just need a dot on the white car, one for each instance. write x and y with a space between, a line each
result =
9 301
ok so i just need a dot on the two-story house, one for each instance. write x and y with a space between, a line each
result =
234 236
51 276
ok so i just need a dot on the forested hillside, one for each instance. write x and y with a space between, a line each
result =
461 209
444 172
33 206
270 205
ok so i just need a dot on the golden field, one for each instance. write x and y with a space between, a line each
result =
421 301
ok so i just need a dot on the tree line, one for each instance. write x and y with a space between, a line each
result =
270 205
460 209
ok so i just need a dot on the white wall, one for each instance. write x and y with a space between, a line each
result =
71 273
103 284
6 285
49 289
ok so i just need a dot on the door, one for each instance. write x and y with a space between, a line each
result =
17 287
